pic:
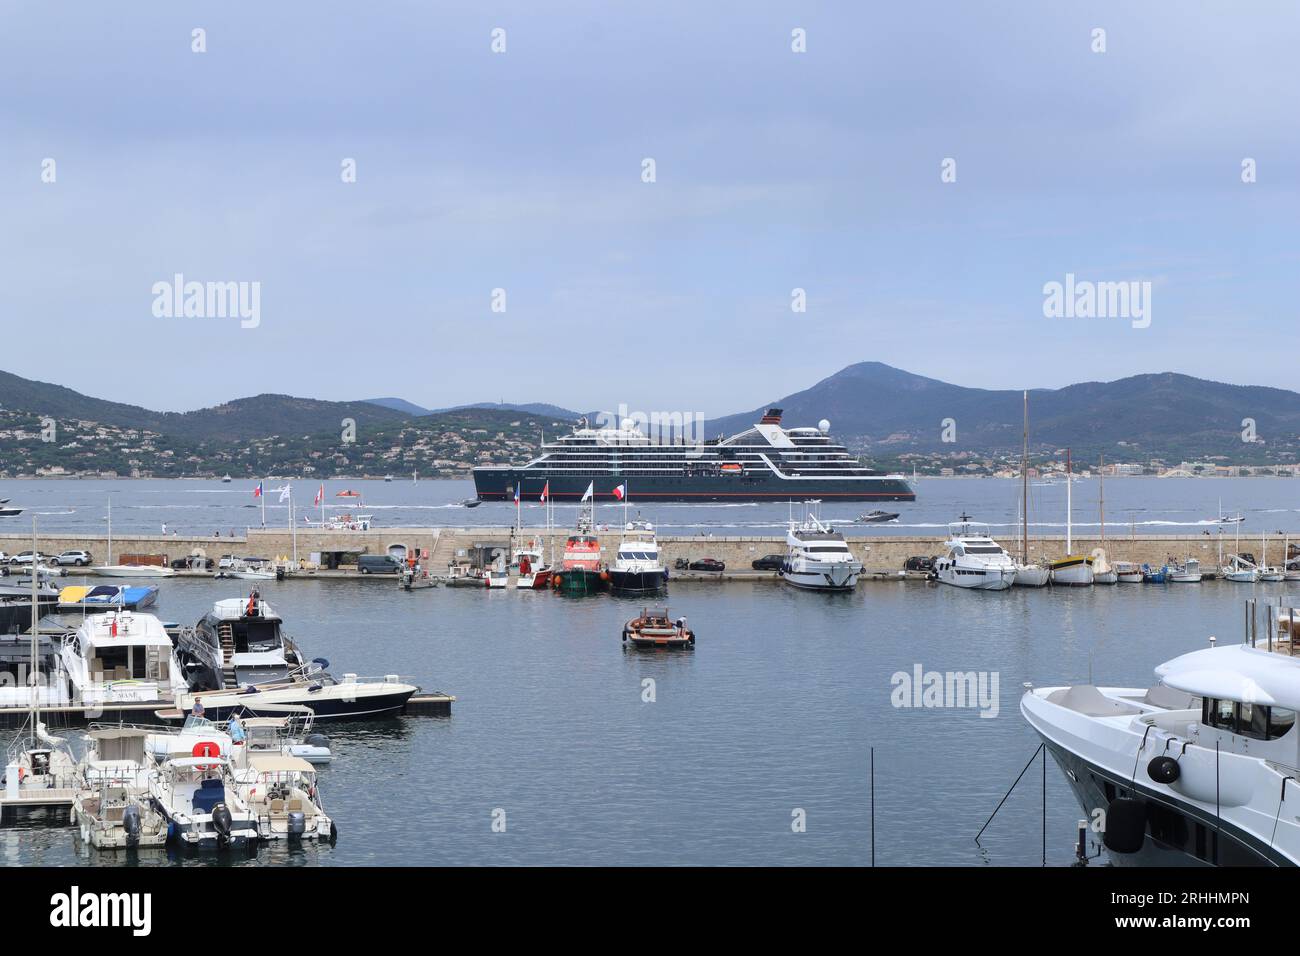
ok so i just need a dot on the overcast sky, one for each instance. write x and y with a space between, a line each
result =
775 170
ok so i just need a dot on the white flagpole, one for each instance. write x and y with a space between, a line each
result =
262 494
293 528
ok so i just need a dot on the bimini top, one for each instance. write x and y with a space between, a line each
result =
1236 672
118 628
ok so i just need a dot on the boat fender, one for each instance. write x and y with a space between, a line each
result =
297 823
221 822
1163 769
131 824
1126 823
334 833
625 635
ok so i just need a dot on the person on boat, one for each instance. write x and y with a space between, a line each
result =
197 709
235 729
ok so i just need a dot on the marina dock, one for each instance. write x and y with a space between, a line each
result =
332 554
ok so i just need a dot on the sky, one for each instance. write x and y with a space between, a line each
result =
522 171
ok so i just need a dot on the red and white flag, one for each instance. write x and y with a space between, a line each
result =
257 492
621 491
320 495
546 491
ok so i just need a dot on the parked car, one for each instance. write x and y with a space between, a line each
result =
227 562
76 558
768 562
378 564
27 557
707 564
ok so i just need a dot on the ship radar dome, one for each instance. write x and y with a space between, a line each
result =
824 426
629 425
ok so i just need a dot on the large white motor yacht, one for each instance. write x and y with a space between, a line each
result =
974 560
818 558
1200 769
118 657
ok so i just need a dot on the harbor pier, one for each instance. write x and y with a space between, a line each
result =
879 553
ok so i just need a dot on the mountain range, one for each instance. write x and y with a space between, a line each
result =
880 411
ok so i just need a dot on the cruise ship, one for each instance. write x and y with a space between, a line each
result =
767 462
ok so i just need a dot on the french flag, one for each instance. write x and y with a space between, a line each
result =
257 492
516 494
621 491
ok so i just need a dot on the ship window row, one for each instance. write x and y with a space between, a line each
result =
1257 721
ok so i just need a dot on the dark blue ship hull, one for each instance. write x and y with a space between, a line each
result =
498 484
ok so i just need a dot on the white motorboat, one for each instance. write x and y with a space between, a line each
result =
201 801
284 797
120 657
1189 572
112 809
974 560
133 571
1127 572
818 558
1240 570
1193 770
637 568
8 512
289 735
346 698
1102 571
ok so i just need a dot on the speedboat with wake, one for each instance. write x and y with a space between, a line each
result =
1191 771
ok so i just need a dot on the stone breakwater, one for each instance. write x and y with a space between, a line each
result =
878 553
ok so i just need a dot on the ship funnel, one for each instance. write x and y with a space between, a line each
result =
773 417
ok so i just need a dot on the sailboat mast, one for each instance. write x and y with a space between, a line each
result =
1101 482
1024 487
1069 505
110 531
36 661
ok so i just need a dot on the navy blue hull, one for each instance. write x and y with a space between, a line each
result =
498 484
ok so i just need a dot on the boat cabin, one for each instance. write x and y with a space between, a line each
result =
119 656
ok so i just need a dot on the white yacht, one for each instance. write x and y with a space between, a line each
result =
636 568
133 571
1194 770
974 560
1189 572
120 657
818 558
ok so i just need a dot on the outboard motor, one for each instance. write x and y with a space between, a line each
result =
297 823
131 824
221 822
1126 825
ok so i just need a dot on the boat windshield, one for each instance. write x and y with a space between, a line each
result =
983 549
198 723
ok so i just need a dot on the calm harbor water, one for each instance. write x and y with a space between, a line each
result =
1133 505
776 709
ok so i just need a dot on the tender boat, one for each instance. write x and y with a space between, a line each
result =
1126 572
415 578
877 517
112 809
1102 572
1194 770
133 571
200 798
657 629
818 558
284 797
974 560
637 569
8 512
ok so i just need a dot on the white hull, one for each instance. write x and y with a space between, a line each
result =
1130 577
1031 576
981 579
1105 577
133 571
839 576
1073 575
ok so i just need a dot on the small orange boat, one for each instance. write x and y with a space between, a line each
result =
655 629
